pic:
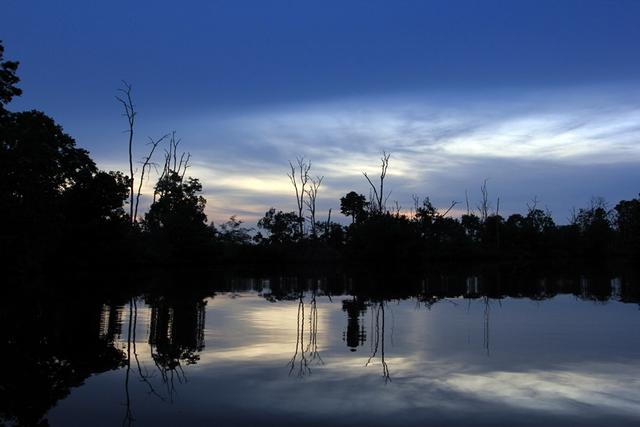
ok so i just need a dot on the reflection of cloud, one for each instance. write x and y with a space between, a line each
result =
249 340
268 332
556 391
421 381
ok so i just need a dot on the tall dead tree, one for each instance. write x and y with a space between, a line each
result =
146 164
130 113
483 207
379 199
299 177
312 194
172 162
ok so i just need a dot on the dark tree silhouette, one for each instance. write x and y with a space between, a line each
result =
8 80
628 223
595 224
48 187
179 210
355 206
282 227
233 232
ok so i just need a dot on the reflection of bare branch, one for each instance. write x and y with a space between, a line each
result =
487 312
304 355
144 376
169 347
128 415
378 342
169 372
299 356
312 347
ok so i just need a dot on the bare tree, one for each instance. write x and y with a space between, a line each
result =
130 113
299 177
466 197
483 207
173 163
328 223
397 209
146 164
534 204
310 202
379 198
416 204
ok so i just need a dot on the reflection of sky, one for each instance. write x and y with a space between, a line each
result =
539 97
557 361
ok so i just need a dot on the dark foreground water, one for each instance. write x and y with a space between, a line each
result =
250 357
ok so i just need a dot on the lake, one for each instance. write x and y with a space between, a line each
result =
283 351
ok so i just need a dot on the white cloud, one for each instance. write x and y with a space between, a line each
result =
440 146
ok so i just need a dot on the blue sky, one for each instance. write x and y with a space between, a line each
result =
542 98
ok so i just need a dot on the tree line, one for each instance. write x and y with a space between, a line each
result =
61 212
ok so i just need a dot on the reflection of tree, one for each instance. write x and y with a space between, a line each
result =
176 336
128 416
487 313
377 313
305 355
356 334
312 347
52 345
111 321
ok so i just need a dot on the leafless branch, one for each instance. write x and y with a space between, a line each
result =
310 202
130 114
453 203
299 182
380 198
145 165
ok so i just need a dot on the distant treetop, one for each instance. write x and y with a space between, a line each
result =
8 79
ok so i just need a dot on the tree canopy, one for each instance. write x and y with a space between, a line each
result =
8 79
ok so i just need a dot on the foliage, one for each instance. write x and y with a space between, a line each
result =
282 227
595 225
179 208
55 201
628 223
354 205
8 80
232 232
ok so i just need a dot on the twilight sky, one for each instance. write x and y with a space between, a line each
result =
542 98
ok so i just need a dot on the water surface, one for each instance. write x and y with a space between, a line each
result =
251 356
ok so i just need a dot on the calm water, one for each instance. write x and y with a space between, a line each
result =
307 358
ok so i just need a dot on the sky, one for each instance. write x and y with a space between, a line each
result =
540 98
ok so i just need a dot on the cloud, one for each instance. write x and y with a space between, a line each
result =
534 143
